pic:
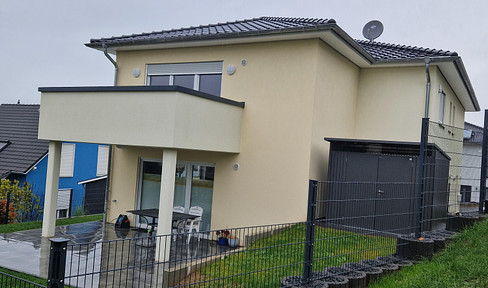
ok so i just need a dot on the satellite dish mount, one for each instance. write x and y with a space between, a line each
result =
372 30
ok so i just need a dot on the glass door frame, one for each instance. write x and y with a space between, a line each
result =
188 185
188 164
140 179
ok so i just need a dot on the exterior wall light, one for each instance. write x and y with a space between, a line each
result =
136 72
231 69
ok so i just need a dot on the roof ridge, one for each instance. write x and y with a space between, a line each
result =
299 20
295 20
409 47
471 124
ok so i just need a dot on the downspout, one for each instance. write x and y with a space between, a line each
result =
109 164
427 89
104 46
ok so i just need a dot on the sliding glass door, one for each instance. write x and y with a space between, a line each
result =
193 188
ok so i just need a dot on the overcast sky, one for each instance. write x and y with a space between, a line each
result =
42 42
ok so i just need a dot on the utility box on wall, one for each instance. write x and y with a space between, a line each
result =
373 185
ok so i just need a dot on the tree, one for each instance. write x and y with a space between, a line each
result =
3 210
25 204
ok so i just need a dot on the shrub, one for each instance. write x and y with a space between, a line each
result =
3 210
25 204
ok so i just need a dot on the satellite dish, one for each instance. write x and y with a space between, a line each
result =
372 30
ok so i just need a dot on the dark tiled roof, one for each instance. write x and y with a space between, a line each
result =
387 52
472 133
263 25
19 125
269 26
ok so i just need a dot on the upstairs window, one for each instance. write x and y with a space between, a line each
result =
201 76
67 160
442 98
102 160
452 114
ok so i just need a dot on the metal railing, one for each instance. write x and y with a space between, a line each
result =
11 281
350 224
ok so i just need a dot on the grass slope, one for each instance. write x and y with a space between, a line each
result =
265 262
463 263
10 282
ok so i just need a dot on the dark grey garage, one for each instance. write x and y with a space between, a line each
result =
373 185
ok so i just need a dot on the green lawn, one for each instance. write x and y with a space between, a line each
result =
35 225
265 262
13 283
38 224
463 263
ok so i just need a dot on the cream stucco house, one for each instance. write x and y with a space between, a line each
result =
243 130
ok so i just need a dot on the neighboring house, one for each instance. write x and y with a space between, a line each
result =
23 157
232 117
470 172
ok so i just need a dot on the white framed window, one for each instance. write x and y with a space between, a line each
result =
67 160
63 206
201 76
442 99
452 114
102 160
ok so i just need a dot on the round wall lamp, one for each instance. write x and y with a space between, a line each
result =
231 69
136 72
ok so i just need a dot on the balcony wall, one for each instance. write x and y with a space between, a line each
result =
163 116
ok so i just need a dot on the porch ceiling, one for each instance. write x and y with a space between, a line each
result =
150 116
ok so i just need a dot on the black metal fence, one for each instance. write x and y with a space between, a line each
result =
403 206
10 281
259 256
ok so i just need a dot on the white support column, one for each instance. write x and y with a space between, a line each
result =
166 203
51 193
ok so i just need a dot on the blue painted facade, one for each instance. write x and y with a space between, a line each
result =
85 167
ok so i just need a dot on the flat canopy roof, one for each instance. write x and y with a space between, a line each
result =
380 146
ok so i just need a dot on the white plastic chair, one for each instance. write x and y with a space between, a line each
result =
178 225
194 224
180 209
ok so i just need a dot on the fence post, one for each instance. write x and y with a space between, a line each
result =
484 164
420 174
57 263
7 208
310 232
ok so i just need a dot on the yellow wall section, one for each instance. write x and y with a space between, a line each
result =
390 103
334 110
276 129
296 93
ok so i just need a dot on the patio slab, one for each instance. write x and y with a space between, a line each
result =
28 252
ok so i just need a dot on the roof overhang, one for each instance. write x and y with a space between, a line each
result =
451 67
331 34
92 180
385 147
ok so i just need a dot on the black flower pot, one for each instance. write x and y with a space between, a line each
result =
439 241
372 273
388 268
459 222
413 248
395 260
336 281
357 279
296 281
